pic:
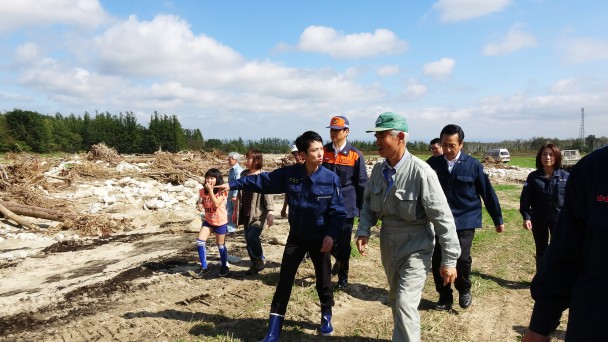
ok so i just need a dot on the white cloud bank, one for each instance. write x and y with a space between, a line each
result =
461 10
581 50
327 40
516 39
39 13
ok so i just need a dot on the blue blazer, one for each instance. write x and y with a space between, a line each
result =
464 188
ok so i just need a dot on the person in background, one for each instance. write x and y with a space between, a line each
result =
403 192
212 202
316 216
542 197
464 184
298 158
348 163
254 209
233 173
435 148
572 273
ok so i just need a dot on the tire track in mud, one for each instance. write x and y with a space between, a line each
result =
87 298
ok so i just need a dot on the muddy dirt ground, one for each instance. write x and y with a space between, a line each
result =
137 285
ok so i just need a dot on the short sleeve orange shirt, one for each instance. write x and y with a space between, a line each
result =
214 216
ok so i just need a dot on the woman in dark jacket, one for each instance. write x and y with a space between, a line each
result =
542 197
254 209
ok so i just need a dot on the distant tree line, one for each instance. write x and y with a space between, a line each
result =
514 146
29 131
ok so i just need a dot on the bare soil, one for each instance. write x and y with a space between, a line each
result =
137 285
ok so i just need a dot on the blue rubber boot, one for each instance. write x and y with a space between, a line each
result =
326 329
275 325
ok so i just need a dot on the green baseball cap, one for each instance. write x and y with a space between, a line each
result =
389 120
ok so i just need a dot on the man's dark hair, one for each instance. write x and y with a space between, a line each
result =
303 141
452 129
435 141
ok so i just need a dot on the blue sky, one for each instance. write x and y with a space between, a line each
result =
501 69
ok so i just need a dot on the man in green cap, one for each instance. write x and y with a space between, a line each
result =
403 191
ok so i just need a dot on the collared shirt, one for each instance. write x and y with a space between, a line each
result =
233 174
337 149
452 162
389 172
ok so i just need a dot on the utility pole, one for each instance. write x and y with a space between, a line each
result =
581 135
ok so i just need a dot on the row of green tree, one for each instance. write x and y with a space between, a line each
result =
29 131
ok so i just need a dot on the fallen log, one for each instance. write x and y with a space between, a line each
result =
38 212
17 219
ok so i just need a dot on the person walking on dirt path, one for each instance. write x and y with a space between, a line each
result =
403 192
233 173
254 209
464 184
212 202
316 216
435 148
542 197
572 273
348 163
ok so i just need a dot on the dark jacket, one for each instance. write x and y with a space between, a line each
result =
315 203
349 165
542 199
464 189
261 206
573 271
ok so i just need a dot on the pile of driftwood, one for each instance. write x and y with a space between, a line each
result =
24 184
24 196
104 153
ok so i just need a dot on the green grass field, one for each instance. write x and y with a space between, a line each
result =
521 161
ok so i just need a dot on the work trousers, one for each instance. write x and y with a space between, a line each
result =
540 231
230 210
463 265
343 248
294 252
254 244
406 258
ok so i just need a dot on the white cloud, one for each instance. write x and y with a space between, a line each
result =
415 91
70 85
439 69
565 86
515 40
39 13
26 53
338 45
388 70
582 50
162 47
460 10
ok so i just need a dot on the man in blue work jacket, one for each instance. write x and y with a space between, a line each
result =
464 184
316 216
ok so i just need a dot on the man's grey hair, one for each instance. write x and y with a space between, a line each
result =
234 155
395 132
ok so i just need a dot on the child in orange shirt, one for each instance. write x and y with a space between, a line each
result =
213 203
